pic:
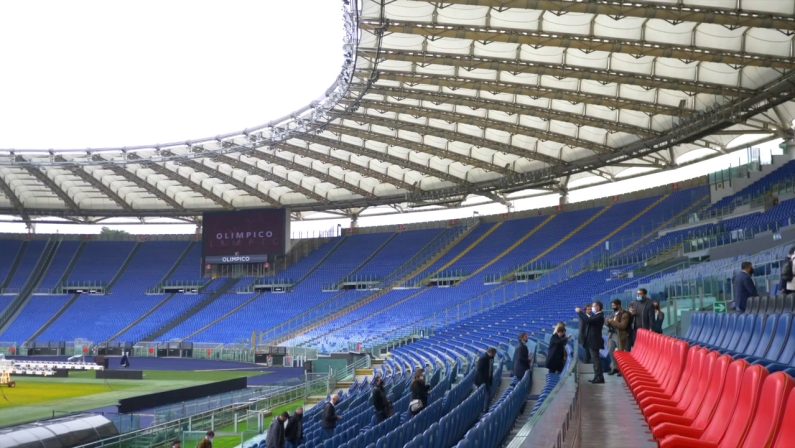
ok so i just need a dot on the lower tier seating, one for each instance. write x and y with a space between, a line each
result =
696 397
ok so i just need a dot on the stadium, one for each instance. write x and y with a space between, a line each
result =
481 174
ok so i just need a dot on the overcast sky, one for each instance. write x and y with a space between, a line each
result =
96 73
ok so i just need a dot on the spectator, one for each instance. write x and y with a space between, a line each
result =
743 286
644 313
787 278
581 337
485 368
659 318
419 393
381 403
207 441
176 444
294 432
330 417
556 353
593 337
618 326
484 373
521 357
633 311
275 438
125 360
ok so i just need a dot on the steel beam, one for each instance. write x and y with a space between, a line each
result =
674 12
586 43
152 189
373 154
45 179
186 181
504 106
96 183
419 147
15 201
267 175
346 165
485 123
307 171
229 180
533 91
514 66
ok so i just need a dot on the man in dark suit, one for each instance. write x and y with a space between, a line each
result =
593 337
485 372
275 437
521 357
581 337
330 417
643 316
294 431
743 286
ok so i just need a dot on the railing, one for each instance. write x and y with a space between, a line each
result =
719 237
220 417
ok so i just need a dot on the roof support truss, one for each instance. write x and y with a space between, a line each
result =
197 187
15 202
586 43
675 12
45 179
152 189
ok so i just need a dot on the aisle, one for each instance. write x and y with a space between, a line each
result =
610 416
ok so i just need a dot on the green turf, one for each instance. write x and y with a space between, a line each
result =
37 398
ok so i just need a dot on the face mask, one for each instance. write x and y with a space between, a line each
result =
615 309
639 298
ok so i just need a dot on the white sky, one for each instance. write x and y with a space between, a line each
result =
97 73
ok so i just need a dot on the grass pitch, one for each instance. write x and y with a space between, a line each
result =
38 398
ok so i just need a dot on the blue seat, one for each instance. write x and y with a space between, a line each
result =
742 331
758 350
780 339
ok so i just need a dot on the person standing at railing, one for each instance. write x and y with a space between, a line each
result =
743 286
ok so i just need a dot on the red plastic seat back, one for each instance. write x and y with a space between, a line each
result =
786 432
720 370
746 405
704 380
767 418
728 401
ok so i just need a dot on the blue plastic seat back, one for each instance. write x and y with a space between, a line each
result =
696 324
745 323
720 323
779 337
726 331
756 334
708 327
767 336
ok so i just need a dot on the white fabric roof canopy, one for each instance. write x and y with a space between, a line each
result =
467 97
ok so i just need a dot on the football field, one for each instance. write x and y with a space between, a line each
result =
36 398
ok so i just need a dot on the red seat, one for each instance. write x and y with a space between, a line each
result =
703 402
767 419
786 433
648 397
691 384
726 428
726 402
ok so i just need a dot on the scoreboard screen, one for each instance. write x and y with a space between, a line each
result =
245 236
